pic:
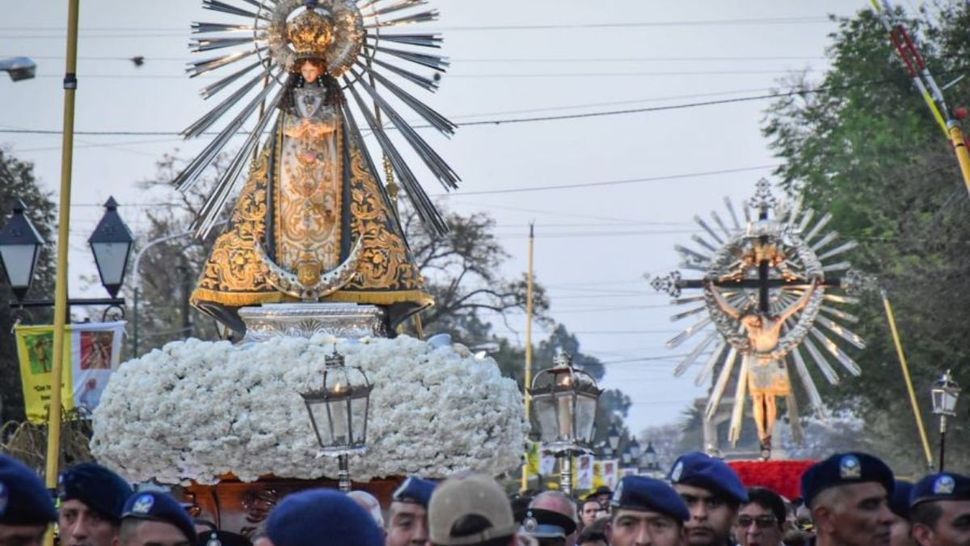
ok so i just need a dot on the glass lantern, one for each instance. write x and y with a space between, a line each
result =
339 409
565 401
945 394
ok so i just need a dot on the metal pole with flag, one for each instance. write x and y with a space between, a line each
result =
63 222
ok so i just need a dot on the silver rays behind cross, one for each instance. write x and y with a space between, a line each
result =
811 250
254 79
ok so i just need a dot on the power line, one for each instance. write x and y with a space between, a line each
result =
505 60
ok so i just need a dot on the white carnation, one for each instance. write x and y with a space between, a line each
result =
197 410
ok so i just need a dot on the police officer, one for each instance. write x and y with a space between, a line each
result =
92 501
899 532
645 512
407 519
712 492
848 495
940 510
549 527
320 516
26 508
153 518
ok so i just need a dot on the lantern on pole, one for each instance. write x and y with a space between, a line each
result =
564 399
945 393
20 245
339 411
111 245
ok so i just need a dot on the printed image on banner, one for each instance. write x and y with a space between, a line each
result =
604 473
91 353
97 350
584 472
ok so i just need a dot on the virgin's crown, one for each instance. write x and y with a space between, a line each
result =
310 35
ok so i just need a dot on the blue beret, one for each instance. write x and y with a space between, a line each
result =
158 506
701 470
941 486
304 518
414 489
97 487
845 469
649 495
23 498
899 501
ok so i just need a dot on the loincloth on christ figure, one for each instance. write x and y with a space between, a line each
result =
768 377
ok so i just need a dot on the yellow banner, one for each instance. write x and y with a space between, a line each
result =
533 457
91 354
35 347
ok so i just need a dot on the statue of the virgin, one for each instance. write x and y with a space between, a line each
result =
313 221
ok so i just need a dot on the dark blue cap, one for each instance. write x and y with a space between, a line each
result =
899 501
97 487
845 469
649 495
939 487
307 517
701 470
158 506
23 498
542 523
416 490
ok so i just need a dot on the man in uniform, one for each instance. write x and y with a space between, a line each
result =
320 516
712 492
647 512
152 518
848 495
407 521
92 501
940 510
26 508
549 527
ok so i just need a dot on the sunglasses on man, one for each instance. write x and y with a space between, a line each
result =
763 522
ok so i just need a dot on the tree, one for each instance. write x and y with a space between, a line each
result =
17 181
861 144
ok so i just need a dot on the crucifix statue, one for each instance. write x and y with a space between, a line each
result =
766 285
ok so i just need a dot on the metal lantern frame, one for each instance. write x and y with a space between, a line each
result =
564 387
565 400
649 460
343 391
19 232
111 236
944 394
613 436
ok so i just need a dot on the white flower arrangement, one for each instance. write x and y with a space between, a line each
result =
197 410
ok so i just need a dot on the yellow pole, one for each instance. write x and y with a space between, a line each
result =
528 350
906 376
960 148
64 221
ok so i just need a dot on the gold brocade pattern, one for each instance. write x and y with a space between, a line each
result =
234 276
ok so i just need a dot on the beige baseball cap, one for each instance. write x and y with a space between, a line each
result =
470 509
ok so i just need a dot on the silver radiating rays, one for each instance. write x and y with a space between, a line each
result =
804 252
368 52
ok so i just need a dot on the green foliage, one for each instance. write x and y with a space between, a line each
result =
17 182
862 145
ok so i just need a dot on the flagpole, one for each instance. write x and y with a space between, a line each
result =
891 318
64 221
528 351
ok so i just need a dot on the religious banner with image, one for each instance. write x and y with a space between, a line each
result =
92 352
604 473
584 472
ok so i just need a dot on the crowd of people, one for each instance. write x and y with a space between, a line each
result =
849 499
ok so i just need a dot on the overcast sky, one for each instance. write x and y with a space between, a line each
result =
511 59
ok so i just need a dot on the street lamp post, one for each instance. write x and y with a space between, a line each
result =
945 393
20 245
565 400
649 461
19 68
338 412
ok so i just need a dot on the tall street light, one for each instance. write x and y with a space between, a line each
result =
19 68
20 245
945 393
338 412
564 399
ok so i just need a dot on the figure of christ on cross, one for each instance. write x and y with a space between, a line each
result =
767 377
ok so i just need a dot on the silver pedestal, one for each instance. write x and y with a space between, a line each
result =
343 320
